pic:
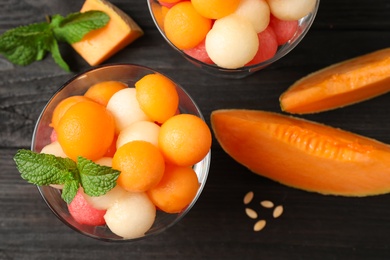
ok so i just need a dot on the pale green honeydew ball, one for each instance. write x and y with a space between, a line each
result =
54 148
292 9
125 108
104 161
140 130
232 42
107 200
256 11
131 216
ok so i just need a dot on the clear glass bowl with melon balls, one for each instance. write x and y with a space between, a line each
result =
233 38
127 114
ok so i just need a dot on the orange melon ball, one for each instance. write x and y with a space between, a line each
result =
215 9
184 26
63 106
157 97
141 165
102 92
176 190
184 139
86 129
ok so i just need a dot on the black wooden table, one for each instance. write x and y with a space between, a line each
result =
312 226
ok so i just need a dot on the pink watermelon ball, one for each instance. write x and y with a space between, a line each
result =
284 30
53 136
268 46
199 52
84 213
169 5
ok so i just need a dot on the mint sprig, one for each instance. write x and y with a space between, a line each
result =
45 169
96 179
72 28
25 44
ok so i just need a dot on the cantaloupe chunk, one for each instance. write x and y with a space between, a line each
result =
339 85
99 45
304 154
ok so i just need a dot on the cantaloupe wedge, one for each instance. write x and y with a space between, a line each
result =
99 45
304 154
339 85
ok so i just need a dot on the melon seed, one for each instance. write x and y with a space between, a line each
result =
248 197
267 204
251 213
259 225
278 211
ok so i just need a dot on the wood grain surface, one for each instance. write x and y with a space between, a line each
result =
312 226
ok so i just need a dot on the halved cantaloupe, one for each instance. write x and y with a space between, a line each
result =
101 44
304 154
339 85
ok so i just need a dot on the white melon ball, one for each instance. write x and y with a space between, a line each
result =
232 42
131 216
107 200
54 148
292 9
104 161
125 108
140 130
256 11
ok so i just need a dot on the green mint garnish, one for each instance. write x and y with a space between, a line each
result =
55 53
45 169
72 28
69 191
26 44
96 179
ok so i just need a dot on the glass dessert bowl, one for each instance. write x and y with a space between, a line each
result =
42 136
276 37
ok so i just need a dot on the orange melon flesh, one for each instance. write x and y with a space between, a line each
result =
99 45
304 154
339 85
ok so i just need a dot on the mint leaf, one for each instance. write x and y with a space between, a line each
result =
26 44
70 190
96 180
75 26
55 53
44 169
